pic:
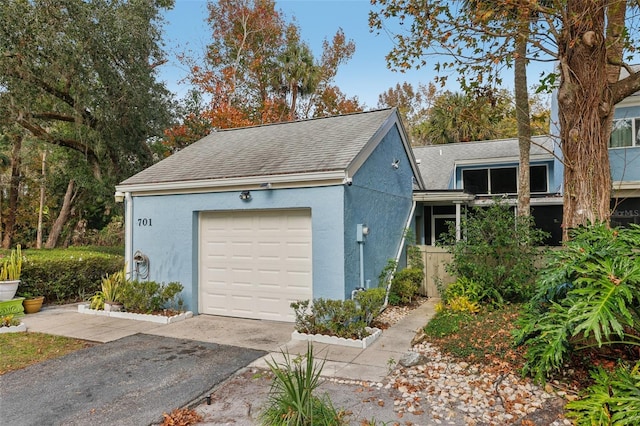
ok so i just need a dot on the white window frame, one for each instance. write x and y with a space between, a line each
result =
635 133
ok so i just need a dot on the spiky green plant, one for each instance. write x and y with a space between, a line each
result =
12 266
292 401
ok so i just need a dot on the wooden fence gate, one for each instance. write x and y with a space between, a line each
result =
435 260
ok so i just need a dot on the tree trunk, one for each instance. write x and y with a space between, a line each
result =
14 190
41 206
585 115
522 114
63 216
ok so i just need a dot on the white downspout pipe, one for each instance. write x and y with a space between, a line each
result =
128 231
386 296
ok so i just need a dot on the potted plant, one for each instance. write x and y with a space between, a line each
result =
110 297
31 302
10 270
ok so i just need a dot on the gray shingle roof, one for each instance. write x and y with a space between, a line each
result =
317 145
437 162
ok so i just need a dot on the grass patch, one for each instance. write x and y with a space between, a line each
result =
20 350
484 338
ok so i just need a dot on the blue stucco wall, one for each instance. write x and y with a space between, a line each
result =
170 238
627 112
625 162
381 198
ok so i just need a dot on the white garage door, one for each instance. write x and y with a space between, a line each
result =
253 264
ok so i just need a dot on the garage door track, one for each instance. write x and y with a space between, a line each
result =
130 381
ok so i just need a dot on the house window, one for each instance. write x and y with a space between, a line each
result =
625 133
538 182
503 180
476 181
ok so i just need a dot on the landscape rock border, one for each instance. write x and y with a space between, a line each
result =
159 319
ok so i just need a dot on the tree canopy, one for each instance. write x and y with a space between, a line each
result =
81 75
590 41
79 78
434 116
258 70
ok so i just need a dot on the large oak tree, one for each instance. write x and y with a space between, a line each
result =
80 74
591 41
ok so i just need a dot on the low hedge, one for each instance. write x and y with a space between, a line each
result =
341 318
67 275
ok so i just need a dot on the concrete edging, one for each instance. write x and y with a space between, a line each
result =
14 328
159 319
340 341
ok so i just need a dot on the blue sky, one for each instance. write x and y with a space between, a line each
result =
365 75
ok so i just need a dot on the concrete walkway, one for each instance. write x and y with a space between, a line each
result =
371 364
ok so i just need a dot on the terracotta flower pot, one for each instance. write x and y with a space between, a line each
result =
31 306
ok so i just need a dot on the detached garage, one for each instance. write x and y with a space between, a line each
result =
251 219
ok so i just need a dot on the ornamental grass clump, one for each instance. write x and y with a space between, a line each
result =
292 399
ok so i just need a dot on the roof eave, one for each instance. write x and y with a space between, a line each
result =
297 180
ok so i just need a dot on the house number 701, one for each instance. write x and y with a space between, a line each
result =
145 221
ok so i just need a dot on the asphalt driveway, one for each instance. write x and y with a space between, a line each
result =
130 381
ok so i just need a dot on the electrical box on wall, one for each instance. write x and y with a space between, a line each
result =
361 232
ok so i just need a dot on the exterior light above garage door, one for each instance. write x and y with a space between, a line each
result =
245 196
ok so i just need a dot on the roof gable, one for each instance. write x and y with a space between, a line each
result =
291 148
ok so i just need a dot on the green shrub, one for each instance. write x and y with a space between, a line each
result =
292 400
370 303
463 287
387 273
67 275
498 252
342 318
405 286
613 399
150 296
588 296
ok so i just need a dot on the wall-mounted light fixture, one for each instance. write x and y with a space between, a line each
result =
395 164
119 196
245 196
266 185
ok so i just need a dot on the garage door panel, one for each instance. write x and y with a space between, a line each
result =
253 264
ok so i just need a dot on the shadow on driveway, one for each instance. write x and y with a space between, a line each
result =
130 381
